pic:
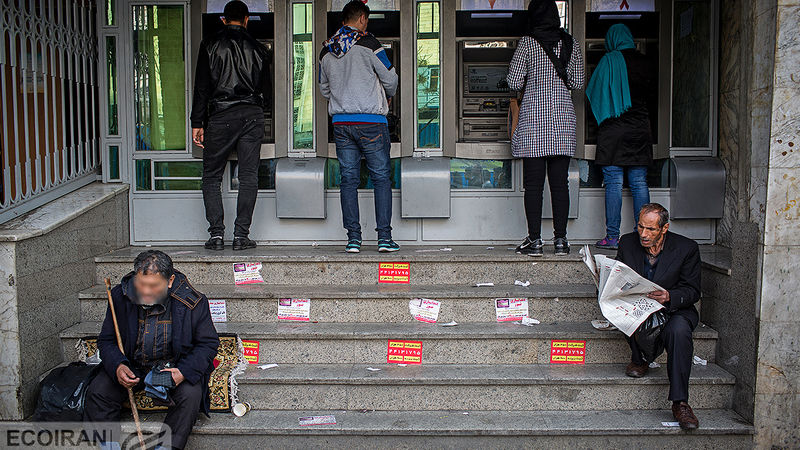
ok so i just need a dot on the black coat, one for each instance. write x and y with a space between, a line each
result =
194 338
627 140
678 270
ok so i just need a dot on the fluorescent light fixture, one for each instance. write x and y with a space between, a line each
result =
620 16
497 15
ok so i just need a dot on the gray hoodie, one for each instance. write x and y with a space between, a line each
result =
356 77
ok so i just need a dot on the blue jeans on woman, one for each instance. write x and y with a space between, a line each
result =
637 181
371 141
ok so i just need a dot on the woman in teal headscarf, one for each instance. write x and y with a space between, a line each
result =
618 92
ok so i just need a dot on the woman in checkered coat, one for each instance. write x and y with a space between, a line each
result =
546 65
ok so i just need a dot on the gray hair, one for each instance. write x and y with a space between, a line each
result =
152 262
663 214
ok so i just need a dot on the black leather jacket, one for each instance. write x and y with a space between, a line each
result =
232 69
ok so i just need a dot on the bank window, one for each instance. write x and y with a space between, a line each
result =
691 74
303 83
333 175
159 77
266 174
480 174
177 175
374 5
111 12
111 83
213 6
113 163
428 63
144 178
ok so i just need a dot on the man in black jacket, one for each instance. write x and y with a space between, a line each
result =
231 88
671 261
161 318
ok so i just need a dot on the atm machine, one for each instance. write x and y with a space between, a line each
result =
262 27
486 42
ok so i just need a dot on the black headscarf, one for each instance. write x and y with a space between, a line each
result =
544 25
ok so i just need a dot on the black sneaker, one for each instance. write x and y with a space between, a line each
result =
387 245
215 243
243 243
561 246
531 248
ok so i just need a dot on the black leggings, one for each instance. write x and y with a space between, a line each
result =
533 171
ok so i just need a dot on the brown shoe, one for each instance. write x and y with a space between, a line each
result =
685 416
636 371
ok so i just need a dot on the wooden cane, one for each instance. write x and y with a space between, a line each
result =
132 401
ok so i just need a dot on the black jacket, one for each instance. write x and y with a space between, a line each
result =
627 140
678 269
232 69
194 338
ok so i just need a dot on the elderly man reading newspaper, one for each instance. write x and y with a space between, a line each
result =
654 269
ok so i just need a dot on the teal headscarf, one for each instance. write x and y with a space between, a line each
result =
608 91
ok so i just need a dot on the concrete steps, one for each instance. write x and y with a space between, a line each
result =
529 387
443 429
468 343
497 373
548 303
329 265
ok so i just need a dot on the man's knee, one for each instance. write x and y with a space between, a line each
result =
188 394
677 330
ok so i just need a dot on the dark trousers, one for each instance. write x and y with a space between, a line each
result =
240 128
104 398
372 142
533 174
678 343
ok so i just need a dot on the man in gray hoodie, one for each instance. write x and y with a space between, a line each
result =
358 79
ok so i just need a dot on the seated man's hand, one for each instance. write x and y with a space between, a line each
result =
126 377
659 296
177 376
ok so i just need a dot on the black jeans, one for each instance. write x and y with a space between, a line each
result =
240 128
533 173
104 398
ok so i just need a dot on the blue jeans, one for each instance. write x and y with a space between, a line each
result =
637 181
371 141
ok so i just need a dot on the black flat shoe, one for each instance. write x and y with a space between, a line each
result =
243 243
215 243
561 246
531 248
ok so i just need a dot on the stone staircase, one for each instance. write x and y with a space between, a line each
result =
481 383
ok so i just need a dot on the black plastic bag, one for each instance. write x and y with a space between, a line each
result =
648 335
62 393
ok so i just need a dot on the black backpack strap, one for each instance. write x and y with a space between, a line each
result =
558 63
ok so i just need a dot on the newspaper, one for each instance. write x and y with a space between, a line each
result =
622 293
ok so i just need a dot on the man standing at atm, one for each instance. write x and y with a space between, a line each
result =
357 78
231 87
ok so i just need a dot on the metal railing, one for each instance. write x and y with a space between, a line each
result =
49 118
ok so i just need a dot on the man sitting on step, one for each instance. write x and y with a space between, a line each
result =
673 262
161 318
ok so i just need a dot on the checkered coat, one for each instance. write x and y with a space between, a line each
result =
546 117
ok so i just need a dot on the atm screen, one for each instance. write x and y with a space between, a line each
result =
487 79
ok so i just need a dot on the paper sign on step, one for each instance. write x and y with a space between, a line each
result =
219 311
394 272
404 352
247 273
250 351
424 310
317 420
297 309
510 309
567 352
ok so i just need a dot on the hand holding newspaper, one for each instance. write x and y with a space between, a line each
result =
622 293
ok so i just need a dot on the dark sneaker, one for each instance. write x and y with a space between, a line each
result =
561 246
215 243
243 243
531 247
353 246
387 245
685 416
608 243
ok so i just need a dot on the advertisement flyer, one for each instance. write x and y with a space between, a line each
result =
567 352
424 310
219 311
510 309
392 272
298 309
404 352
251 351
247 273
